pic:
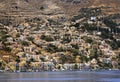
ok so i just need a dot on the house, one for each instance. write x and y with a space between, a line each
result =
29 49
106 60
15 44
96 33
92 18
3 28
28 56
36 57
20 54
22 37
10 39
90 22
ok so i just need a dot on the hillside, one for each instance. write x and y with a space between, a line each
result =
68 6
17 10
76 32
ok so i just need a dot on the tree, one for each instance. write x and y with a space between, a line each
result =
66 59
24 43
83 58
60 49
4 37
110 23
0 65
118 60
90 27
7 49
51 48
18 59
106 35
47 38
114 44
76 66
75 46
66 39
17 35
93 53
32 60
88 39
75 52
30 39
118 43
41 8
42 59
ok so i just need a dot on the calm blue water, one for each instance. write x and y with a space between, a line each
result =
68 76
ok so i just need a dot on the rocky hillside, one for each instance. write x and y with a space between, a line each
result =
68 6
18 10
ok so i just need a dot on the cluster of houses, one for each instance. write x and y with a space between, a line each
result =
41 49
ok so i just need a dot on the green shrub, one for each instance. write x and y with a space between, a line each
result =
47 38
30 39
24 43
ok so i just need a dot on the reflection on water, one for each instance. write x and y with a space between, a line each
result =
68 76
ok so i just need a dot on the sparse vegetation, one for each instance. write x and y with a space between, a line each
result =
46 38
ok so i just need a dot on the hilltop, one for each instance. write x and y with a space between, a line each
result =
68 6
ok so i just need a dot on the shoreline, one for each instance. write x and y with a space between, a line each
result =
60 71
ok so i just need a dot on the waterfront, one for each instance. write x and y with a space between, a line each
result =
63 76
